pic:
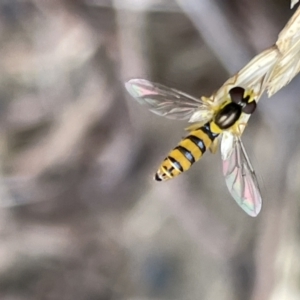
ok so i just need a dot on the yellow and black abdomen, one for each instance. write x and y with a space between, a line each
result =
189 150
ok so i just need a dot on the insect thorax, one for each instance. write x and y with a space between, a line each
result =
228 115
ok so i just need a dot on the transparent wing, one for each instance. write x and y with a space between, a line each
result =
169 102
239 175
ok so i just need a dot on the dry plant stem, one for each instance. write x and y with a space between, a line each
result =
288 44
270 70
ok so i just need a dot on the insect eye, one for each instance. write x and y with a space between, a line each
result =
249 108
237 94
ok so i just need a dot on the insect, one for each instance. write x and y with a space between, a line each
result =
213 122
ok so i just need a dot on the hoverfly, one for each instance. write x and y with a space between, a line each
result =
212 123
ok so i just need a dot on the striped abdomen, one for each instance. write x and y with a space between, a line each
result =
189 150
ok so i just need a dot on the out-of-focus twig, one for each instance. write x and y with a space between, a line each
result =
293 3
137 6
217 32
192 215
131 36
74 122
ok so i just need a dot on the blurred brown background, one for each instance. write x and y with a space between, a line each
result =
81 217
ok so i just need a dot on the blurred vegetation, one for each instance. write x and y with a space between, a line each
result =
80 215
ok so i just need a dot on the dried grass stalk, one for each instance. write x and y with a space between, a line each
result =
270 70
288 44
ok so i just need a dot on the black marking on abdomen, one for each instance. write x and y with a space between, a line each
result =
157 178
198 142
176 164
187 154
206 129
